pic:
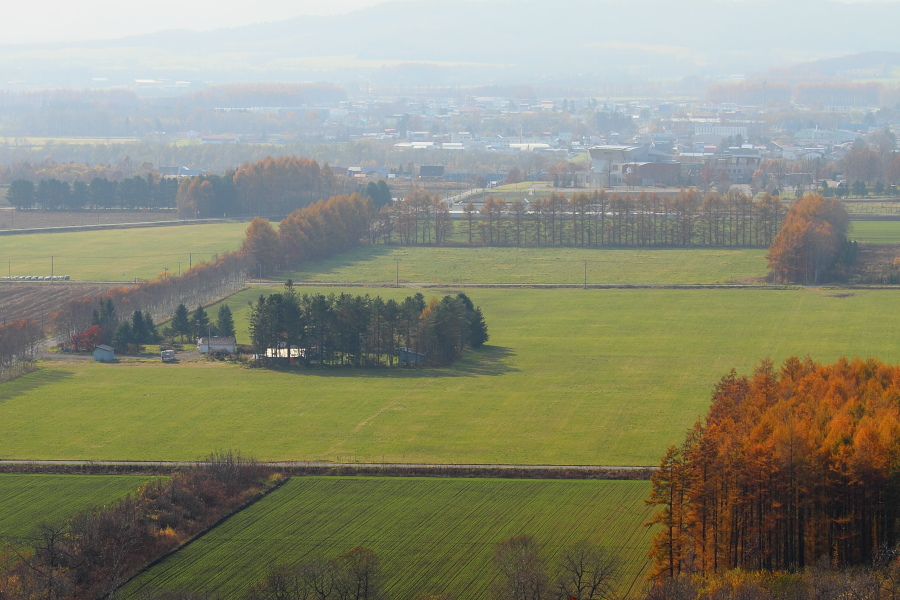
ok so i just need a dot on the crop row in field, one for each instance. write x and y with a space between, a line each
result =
454 266
25 300
433 536
26 501
568 377
117 254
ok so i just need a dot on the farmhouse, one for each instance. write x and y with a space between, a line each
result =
104 353
282 351
205 345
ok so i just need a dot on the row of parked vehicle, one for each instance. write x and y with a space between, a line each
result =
35 278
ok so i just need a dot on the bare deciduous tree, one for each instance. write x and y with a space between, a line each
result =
586 572
524 572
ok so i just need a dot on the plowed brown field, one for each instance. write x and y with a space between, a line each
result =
36 219
20 300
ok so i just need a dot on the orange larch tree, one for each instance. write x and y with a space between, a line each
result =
788 467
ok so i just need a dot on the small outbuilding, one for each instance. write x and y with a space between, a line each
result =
104 353
215 344
408 357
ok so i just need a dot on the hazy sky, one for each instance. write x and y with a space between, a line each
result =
65 20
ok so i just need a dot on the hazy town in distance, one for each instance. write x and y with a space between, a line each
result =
450 300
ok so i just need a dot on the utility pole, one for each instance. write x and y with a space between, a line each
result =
585 273
51 268
397 260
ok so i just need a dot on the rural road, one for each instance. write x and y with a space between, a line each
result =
325 464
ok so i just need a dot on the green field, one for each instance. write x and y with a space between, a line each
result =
569 376
378 264
875 232
433 536
26 501
117 254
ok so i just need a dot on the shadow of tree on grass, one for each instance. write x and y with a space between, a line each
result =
488 361
20 385
330 267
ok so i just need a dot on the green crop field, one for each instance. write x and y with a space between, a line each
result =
29 500
875 232
433 536
117 254
569 376
379 264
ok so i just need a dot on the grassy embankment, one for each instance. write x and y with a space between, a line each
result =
433 536
117 254
29 500
568 377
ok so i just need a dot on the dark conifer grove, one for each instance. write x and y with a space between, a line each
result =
362 330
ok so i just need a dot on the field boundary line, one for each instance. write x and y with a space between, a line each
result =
327 468
106 226
200 534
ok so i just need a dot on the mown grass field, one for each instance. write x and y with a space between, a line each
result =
26 501
379 264
569 376
433 536
117 254
875 232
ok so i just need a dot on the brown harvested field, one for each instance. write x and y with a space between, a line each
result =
876 257
36 219
19 300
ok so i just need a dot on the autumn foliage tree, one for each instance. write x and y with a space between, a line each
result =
18 347
790 466
596 219
316 231
92 554
810 241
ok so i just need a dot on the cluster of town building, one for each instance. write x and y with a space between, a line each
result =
625 143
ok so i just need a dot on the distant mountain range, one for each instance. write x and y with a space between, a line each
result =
459 42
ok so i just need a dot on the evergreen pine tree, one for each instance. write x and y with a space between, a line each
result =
138 329
123 336
200 322
151 336
478 332
225 321
181 322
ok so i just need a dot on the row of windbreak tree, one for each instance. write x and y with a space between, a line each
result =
18 346
322 229
363 331
158 299
317 231
151 192
689 218
791 466
95 552
272 186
